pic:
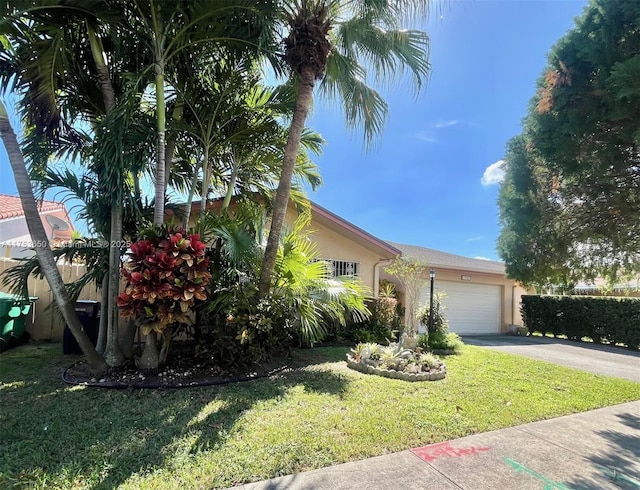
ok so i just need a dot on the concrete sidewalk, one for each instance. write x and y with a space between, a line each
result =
593 450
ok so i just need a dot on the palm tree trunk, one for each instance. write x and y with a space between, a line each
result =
160 189
104 306
206 177
187 205
112 353
149 359
127 338
303 102
170 149
43 252
232 184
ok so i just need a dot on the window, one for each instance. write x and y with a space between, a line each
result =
339 268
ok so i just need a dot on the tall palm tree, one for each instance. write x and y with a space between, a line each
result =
336 41
41 243
166 30
67 78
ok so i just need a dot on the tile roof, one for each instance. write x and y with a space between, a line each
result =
11 207
436 258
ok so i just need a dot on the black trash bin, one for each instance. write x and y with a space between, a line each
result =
89 315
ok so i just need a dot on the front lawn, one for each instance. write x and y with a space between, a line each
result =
57 436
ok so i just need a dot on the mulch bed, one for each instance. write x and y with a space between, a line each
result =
183 370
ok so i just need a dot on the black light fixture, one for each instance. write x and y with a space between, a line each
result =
432 275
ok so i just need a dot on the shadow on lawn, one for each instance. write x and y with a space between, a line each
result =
616 461
103 437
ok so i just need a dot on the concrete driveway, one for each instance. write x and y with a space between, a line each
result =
599 359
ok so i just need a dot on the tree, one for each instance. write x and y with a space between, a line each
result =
60 67
412 275
167 29
581 142
530 234
41 243
328 40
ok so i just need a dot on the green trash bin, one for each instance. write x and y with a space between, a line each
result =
13 314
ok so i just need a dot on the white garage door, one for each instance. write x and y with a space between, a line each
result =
470 308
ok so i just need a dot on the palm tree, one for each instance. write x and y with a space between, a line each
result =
301 283
235 122
43 251
168 29
58 63
66 77
332 41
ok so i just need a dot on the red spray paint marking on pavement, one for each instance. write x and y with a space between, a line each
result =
445 449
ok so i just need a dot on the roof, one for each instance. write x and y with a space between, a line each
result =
331 220
436 258
363 235
11 206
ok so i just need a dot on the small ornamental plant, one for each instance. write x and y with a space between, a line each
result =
166 273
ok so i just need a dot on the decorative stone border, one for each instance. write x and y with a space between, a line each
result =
390 373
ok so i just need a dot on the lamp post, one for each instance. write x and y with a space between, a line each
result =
432 275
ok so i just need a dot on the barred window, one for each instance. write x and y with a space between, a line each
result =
339 268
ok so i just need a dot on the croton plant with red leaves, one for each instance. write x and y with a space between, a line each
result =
166 273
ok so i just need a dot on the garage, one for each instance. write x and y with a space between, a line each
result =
471 309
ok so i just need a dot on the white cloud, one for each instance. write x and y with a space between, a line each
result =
481 258
473 239
493 174
445 124
426 137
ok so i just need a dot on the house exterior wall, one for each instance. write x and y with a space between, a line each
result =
17 239
10 230
333 245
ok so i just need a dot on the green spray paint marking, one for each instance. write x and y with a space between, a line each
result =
615 475
548 484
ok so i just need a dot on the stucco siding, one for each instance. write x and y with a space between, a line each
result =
332 245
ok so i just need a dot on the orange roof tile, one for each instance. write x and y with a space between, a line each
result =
11 207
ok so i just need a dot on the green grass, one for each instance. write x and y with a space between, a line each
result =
56 436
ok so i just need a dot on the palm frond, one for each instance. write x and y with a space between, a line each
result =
362 105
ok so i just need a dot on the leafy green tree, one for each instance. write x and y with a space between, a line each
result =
530 232
335 41
576 217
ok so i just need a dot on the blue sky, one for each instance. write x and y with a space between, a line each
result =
422 184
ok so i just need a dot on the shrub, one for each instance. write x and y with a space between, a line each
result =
445 341
440 323
373 331
166 273
383 310
239 330
614 320
440 341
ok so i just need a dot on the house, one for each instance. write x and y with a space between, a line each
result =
15 240
479 298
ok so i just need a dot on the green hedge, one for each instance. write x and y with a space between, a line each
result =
606 319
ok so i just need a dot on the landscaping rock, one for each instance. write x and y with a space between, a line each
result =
367 368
